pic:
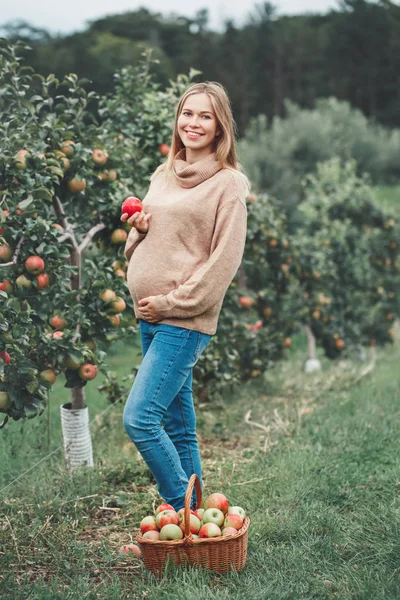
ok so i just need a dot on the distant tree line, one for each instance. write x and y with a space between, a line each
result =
352 53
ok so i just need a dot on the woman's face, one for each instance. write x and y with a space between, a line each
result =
197 125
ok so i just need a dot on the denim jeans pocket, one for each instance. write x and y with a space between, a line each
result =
202 343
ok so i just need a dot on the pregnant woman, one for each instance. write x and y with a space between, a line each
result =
184 249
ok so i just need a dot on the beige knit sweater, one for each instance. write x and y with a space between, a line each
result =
194 245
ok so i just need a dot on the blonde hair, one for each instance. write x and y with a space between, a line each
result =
225 142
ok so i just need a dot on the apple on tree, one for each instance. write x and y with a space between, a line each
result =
5 357
87 372
57 322
100 157
6 286
43 281
119 236
5 253
5 402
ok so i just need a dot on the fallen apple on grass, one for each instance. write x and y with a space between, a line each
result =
131 549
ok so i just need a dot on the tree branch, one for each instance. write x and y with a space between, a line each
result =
16 253
90 235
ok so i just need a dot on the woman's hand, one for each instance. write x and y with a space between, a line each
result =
140 220
147 308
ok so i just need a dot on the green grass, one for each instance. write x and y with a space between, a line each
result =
320 483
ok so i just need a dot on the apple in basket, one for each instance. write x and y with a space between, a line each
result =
209 530
213 515
148 524
181 513
164 507
171 532
167 517
225 531
151 535
217 500
233 520
199 513
194 526
237 510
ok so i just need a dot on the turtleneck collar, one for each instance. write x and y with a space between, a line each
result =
189 175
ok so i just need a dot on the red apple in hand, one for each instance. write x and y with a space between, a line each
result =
131 205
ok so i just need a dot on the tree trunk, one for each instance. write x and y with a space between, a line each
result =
310 343
78 393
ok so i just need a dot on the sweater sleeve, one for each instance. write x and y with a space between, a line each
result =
133 241
208 285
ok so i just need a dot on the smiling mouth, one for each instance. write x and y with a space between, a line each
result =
193 134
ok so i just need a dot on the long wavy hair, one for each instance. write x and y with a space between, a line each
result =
225 142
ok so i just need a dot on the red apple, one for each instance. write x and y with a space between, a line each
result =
99 157
76 184
5 356
181 513
6 286
148 524
131 205
194 526
131 549
57 322
115 320
119 236
151 535
233 520
48 375
43 281
5 402
164 149
57 335
87 372
199 513
118 305
246 301
20 159
120 273
217 501
171 532
166 517
108 295
164 507
5 253
209 530
213 515
67 147
229 531
34 265
237 510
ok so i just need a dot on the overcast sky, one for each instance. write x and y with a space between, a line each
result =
72 15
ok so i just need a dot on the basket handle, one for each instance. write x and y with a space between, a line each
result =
193 481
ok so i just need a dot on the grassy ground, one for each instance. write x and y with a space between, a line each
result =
319 479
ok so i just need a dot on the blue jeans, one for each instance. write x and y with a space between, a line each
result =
159 414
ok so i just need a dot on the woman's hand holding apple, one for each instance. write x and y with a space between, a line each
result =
139 220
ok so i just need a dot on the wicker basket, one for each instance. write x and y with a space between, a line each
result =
216 554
